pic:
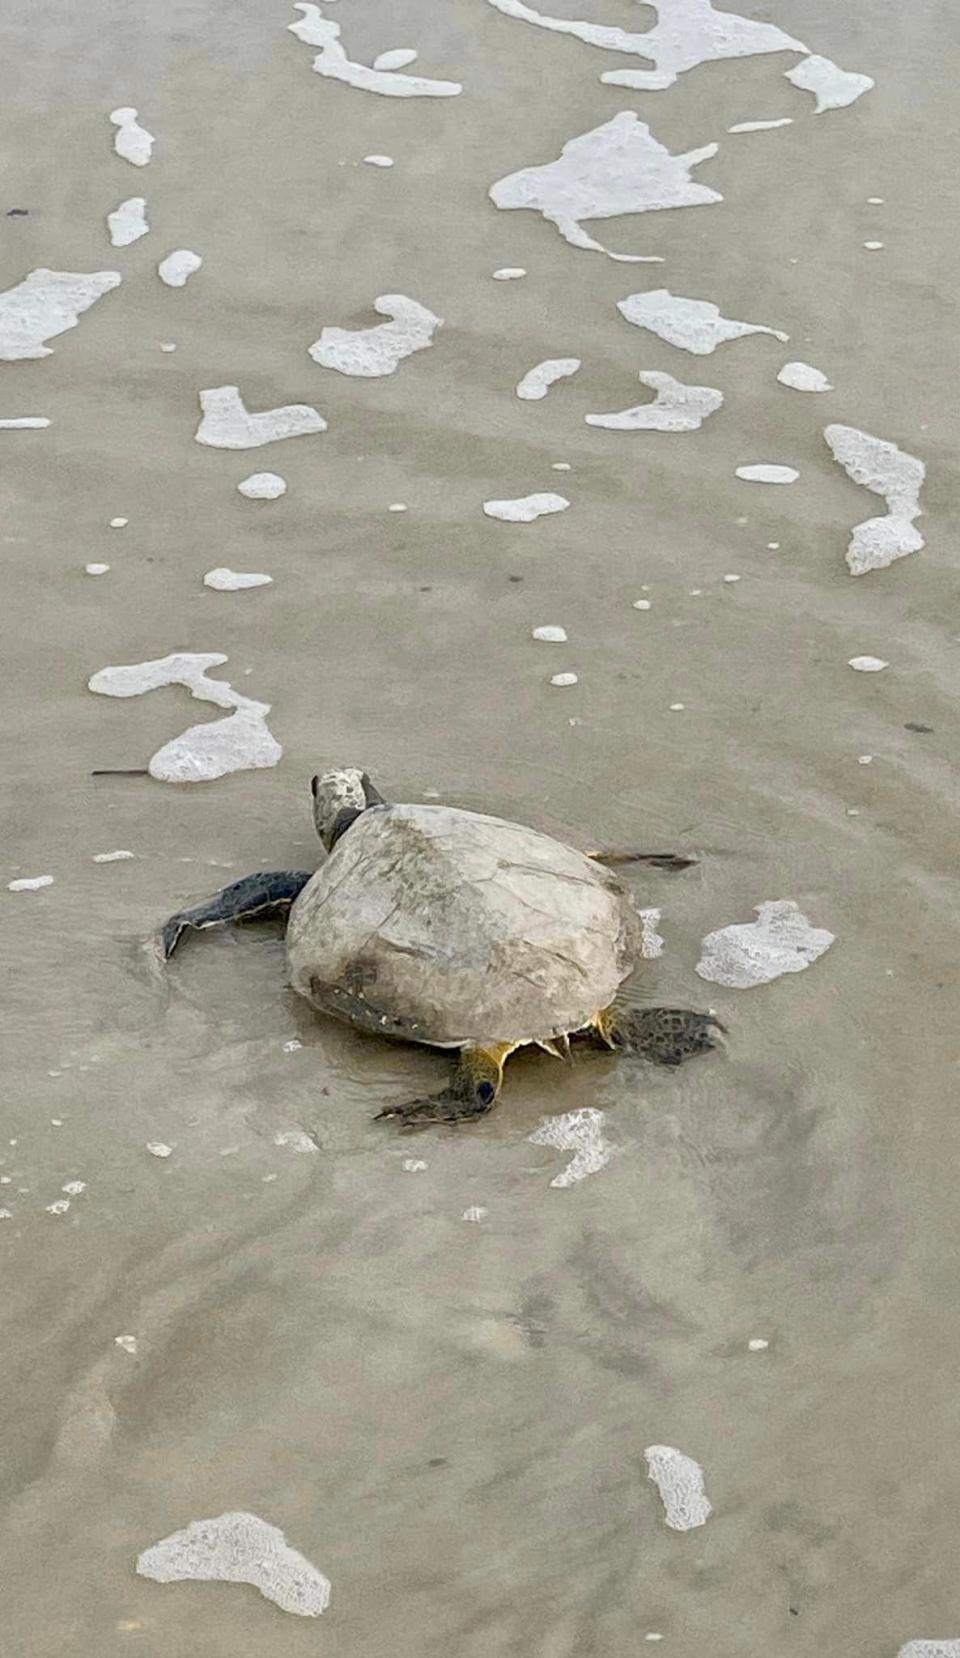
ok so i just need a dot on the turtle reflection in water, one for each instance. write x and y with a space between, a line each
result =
433 925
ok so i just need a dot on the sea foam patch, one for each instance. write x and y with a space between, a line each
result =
227 424
686 33
316 30
580 1132
24 423
676 407
538 380
523 509
767 472
680 1483
44 304
239 1548
372 352
833 88
756 952
239 743
178 266
223 580
614 169
695 325
128 222
803 377
890 472
131 141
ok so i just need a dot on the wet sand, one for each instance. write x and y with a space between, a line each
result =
448 1417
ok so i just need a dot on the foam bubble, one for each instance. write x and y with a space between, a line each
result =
694 325
679 1481
263 486
238 743
762 126
24 423
651 942
833 88
868 664
372 352
232 581
676 407
239 1548
379 160
509 273
525 508
96 569
227 424
119 523
476 1212
803 377
930 1649
30 883
538 380
614 169
156 1148
551 635
756 952
768 473
177 266
396 58
890 472
131 141
111 857
128 1343
580 1132
128 222
44 304
563 679
316 30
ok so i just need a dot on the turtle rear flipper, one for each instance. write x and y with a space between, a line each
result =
267 895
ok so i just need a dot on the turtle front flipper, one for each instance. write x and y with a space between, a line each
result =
472 1091
660 860
664 1035
264 896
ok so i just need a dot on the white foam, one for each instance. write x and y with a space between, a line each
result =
509 273
642 604
379 160
119 523
551 635
96 569
60 1207
651 941
930 1649
131 141
156 1148
758 1344
676 407
767 472
561 466
755 952
694 325
867 664
231 581
890 472
30 883
24 423
686 33
873 247
296 1139
128 1343
414 1165
111 857
177 266
46 303
397 58
263 486
538 380
239 1548
128 222
239 743
227 424
762 126
73 1188
316 30
525 508
580 1132
803 377
372 352
679 1481
563 679
476 1212
833 88
614 169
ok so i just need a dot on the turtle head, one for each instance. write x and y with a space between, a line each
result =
339 797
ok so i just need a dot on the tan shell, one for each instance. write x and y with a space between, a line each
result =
445 927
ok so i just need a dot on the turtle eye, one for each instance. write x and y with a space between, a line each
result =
485 1092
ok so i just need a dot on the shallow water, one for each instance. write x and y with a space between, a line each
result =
439 1381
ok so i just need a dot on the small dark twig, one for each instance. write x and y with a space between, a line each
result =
122 771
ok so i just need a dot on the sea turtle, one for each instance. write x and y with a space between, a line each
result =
435 925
